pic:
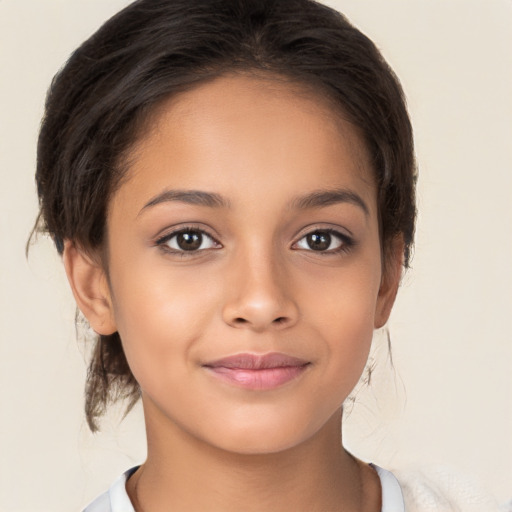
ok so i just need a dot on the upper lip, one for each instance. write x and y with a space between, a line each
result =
257 361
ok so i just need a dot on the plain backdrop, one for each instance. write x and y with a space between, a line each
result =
448 400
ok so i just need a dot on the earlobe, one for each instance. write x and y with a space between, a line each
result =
391 276
90 288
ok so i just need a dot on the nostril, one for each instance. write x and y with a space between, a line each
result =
240 320
280 320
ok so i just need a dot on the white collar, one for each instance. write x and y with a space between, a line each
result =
116 498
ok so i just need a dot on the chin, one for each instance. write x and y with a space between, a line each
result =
261 444
261 437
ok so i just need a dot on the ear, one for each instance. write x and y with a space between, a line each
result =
391 275
90 288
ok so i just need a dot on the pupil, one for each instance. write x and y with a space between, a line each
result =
319 241
189 241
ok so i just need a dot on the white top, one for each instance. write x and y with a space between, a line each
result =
116 498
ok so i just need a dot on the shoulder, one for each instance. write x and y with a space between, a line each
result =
442 490
115 499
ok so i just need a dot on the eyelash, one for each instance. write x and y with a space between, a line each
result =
346 242
163 241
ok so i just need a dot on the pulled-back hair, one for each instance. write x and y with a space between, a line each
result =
155 48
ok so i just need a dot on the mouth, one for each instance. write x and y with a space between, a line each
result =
258 372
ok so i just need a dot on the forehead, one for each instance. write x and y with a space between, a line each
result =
240 130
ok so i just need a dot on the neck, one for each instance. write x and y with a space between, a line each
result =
184 473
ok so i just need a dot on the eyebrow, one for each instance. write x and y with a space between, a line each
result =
322 198
315 199
196 197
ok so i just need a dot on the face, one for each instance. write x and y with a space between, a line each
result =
244 264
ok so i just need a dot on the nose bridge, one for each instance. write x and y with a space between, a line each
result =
260 294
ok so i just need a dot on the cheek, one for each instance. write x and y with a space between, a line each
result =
342 313
160 315
344 298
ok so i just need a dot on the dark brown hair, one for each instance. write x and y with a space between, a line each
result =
155 48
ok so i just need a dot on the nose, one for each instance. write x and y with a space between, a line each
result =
259 295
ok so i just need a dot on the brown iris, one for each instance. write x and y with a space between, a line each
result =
189 240
319 240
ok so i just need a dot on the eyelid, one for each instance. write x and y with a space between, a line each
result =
347 240
162 240
328 227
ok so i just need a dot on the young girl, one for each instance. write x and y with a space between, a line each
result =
231 186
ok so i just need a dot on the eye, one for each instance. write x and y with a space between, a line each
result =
187 240
324 240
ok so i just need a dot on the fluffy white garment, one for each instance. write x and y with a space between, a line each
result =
441 490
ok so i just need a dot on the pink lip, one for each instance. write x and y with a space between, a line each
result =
258 372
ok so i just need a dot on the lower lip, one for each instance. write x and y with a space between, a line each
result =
263 379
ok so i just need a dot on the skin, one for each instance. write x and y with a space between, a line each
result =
255 286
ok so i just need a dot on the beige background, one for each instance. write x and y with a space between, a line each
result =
450 400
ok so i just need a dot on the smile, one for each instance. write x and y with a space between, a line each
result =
258 372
